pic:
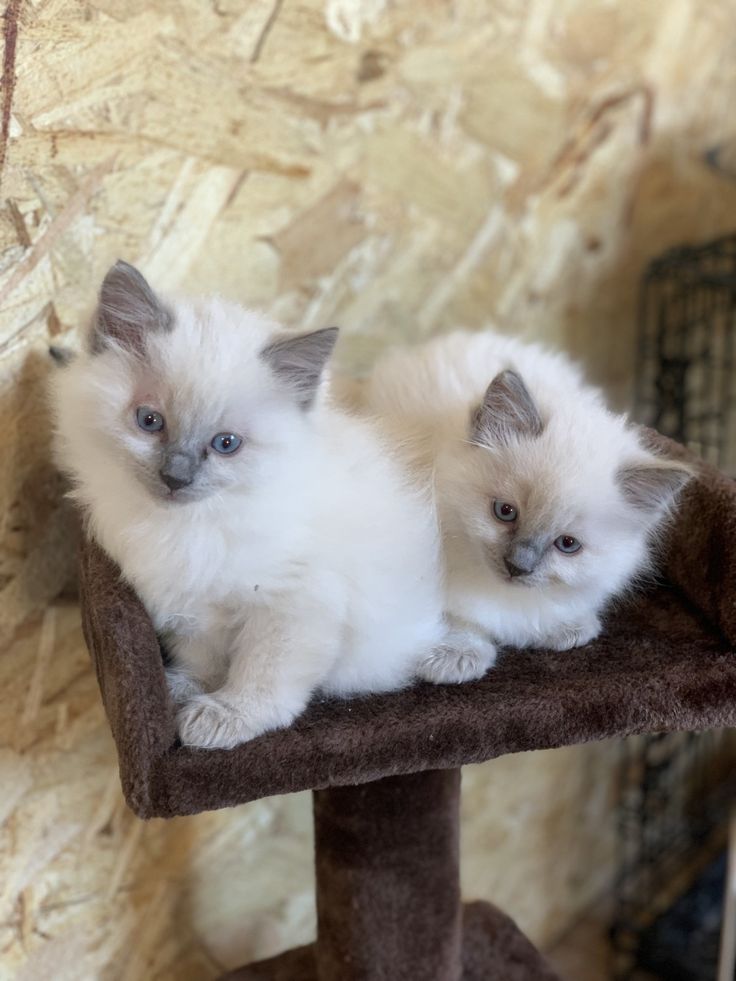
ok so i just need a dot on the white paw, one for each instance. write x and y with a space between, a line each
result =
448 665
181 686
209 722
575 636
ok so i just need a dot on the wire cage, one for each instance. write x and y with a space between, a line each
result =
677 788
687 317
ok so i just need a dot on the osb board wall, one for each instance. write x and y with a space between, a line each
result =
395 167
90 893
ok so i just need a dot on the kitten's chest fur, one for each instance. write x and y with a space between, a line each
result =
193 570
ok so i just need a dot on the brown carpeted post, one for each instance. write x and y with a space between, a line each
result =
388 894
388 881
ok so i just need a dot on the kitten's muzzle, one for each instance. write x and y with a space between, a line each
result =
178 470
514 570
522 559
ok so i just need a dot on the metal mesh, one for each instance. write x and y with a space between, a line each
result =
675 795
687 315
676 788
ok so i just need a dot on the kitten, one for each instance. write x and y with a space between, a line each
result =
275 541
548 503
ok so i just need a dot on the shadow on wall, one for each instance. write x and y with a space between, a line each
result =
38 528
674 199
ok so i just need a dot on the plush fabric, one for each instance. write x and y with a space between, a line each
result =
699 554
494 949
388 894
386 856
387 867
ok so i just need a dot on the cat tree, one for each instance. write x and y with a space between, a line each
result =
385 769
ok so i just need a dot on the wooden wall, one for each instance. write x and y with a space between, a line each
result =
398 168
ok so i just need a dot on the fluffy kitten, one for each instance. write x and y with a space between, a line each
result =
274 540
548 503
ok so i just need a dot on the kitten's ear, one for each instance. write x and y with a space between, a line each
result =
299 360
507 412
652 486
126 310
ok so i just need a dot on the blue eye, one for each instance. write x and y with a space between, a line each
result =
567 544
226 442
504 511
148 419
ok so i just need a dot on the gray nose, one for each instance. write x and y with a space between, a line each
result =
177 471
514 570
523 558
175 483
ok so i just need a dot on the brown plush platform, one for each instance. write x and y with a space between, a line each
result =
664 662
661 664
494 949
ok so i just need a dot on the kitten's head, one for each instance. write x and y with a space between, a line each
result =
186 399
559 496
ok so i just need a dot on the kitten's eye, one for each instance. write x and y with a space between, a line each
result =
148 419
226 443
567 544
504 511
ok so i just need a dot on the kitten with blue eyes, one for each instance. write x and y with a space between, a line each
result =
275 540
548 503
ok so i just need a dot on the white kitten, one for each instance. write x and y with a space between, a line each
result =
274 540
548 502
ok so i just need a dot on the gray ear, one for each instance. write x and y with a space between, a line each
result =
653 486
299 360
507 412
127 309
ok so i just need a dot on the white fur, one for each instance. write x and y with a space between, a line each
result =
563 481
305 561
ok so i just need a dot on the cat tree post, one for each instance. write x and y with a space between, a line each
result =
388 894
388 879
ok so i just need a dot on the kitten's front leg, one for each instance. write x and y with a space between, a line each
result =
464 655
574 635
276 663
197 663
181 685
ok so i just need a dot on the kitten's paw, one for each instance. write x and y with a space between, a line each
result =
450 665
181 686
209 722
576 635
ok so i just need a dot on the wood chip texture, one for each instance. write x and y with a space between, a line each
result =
398 168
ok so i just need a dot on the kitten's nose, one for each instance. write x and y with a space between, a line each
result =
523 558
514 570
177 471
175 483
